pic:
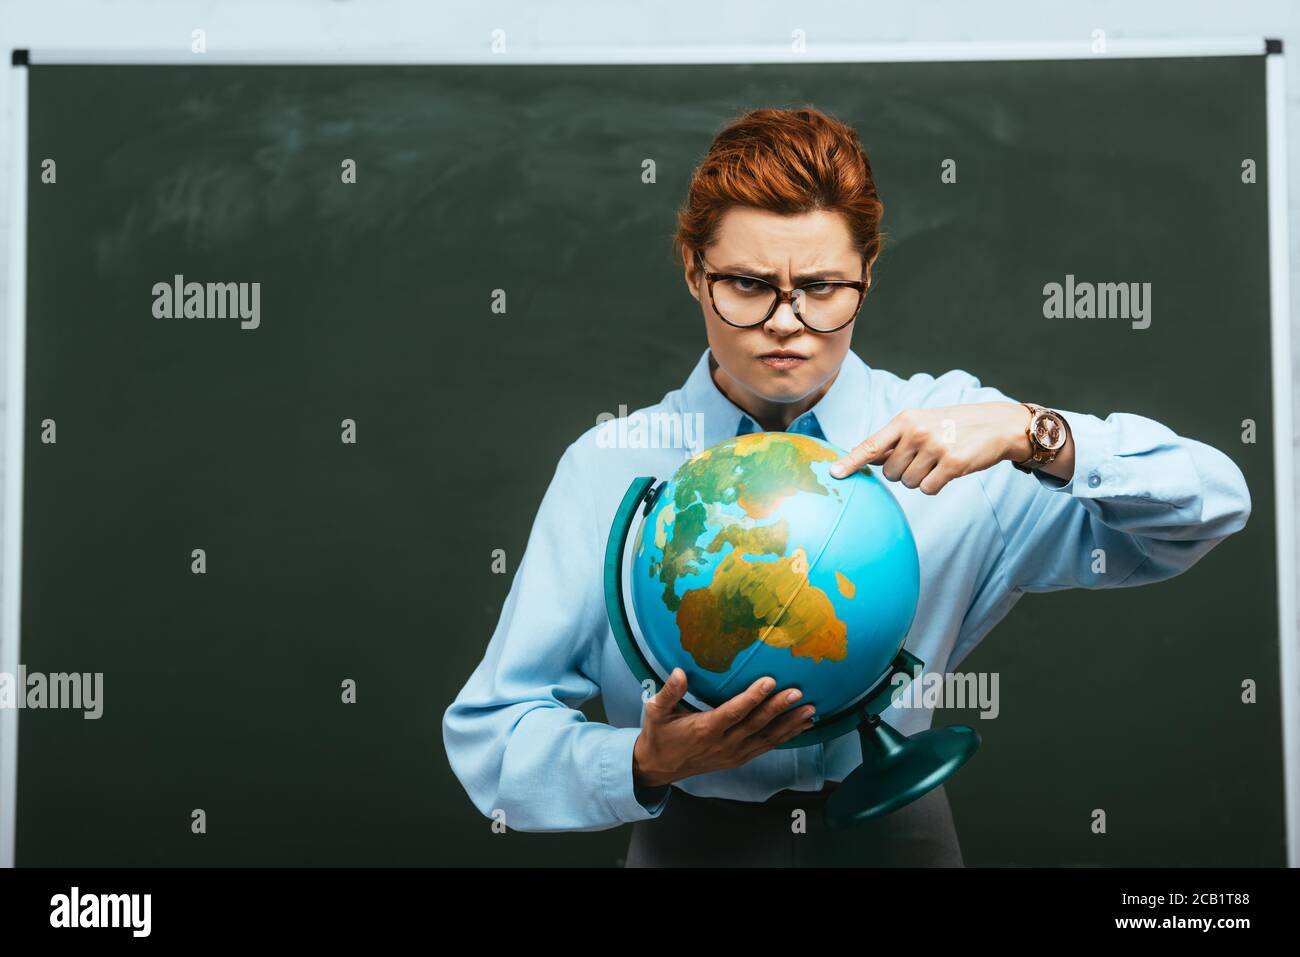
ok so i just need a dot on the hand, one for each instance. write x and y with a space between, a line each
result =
928 448
679 744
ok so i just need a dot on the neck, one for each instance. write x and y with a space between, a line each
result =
770 416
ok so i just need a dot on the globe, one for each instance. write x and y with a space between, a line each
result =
753 560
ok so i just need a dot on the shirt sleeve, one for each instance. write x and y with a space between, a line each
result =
1143 504
514 736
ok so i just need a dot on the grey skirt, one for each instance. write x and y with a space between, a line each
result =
717 832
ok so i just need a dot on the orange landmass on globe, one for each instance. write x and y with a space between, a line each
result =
769 601
786 460
847 588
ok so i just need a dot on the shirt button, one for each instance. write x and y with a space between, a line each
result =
1094 480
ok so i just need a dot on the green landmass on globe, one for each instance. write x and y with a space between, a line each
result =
745 601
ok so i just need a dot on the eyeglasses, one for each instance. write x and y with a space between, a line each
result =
826 305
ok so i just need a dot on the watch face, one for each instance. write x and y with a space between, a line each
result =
1049 430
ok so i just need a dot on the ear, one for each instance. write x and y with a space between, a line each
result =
691 270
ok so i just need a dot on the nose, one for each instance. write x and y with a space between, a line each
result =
783 322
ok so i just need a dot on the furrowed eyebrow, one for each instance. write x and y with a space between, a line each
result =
800 279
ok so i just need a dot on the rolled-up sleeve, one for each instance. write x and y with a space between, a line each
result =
1143 504
514 736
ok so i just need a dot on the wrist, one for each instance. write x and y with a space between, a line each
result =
642 776
1018 447
1048 438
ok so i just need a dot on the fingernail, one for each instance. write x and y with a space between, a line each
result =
809 711
794 696
837 471
767 685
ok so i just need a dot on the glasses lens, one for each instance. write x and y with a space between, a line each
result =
742 301
823 306
826 306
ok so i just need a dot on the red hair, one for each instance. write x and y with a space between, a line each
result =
784 161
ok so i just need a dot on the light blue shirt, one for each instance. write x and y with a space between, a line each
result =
1153 501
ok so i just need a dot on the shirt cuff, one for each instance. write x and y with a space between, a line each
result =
1092 450
628 802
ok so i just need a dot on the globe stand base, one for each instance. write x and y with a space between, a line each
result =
896 770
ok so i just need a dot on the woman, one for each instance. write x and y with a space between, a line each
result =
777 240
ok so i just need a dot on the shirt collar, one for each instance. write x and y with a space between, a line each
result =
840 415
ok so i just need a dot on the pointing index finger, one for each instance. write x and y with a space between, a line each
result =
869 451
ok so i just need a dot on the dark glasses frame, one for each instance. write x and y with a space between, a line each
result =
783 296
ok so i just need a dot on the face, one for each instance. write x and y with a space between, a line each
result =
786 250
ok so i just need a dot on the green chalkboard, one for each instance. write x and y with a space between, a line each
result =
372 561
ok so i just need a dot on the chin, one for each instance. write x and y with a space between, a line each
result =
779 388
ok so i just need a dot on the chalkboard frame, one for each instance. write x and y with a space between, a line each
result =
1279 288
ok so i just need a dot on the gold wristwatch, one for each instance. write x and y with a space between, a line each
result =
1048 432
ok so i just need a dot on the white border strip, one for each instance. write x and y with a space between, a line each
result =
773 53
1279 294
11 565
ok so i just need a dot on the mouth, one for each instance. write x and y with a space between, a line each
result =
782 359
